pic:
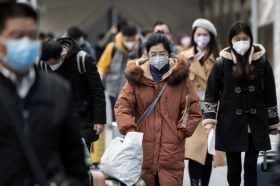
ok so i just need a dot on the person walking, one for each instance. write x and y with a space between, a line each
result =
40 144
242 81
201 52
113 61
63 57
174 117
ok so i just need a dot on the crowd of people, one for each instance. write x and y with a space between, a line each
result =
53 94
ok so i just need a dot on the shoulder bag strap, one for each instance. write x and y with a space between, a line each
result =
23 141
150 108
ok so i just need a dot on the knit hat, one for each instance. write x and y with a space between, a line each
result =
204 23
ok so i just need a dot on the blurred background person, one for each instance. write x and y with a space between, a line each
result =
161 25
112 63
183 39
41 37
50 36
202 52
75 33
146 33
245 121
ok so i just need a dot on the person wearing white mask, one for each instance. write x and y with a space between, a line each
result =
127 45
242 81
174 116
87 92
201 52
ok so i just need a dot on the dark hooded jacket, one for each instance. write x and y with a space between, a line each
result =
87 92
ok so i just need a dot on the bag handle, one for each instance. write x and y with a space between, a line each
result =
150 108
23 141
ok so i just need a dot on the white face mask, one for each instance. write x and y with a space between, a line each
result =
241 47
185 41
129 44
159 61
56 66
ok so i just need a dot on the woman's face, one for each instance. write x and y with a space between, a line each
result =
240 37
201 32
157 50
201 37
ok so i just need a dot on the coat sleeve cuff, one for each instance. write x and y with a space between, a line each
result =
132 129
274 126
209 121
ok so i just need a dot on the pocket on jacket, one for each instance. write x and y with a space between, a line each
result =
181 135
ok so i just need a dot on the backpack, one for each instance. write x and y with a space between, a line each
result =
81 56
220 65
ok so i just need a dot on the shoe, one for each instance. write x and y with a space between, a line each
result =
194 182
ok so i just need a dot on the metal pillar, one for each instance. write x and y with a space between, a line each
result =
254 19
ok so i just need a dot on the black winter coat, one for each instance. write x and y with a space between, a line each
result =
52 132
87 93
242 104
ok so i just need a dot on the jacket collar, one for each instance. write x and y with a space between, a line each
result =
196 67
138 71
257 51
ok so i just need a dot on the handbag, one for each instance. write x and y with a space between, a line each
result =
201 95
88 160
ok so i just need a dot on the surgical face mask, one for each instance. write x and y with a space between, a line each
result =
185 41
56 66
159 61
129 44
21 53
202 41
241 47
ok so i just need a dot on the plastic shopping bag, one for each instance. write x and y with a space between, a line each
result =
123 158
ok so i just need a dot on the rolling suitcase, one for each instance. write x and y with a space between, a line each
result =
265 165
96 178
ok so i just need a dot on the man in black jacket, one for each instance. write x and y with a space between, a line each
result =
65 57
39 103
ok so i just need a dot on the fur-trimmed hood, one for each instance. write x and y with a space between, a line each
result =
138 71
257 51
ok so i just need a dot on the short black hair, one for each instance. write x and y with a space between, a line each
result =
159 22
42 35
129 31
74 32
146 31
10 10
51 50
158 38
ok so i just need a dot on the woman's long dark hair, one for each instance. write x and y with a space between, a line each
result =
212 47
242 66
